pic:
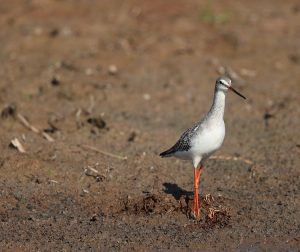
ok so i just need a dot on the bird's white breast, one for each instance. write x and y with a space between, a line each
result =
208 140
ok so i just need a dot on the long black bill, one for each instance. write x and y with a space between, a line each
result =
232 89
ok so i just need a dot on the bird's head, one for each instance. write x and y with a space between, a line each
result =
224 83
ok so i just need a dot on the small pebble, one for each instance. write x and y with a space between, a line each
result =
38 31
55 81
132 136
66 31
146 97
112 69
89 71
97 121
8 110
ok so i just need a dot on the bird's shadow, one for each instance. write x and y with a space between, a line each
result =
176 191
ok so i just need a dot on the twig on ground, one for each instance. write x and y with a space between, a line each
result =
104 152
93 170
212 212
232 158
25 122
48 137
17 144
53 181
85 191
92 104
88 171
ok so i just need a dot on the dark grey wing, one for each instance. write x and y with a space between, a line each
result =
183 144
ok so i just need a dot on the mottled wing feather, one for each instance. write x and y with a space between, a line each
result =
184 142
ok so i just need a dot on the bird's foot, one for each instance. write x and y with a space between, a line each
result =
195 213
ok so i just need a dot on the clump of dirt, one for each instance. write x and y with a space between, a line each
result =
214 214
150 204
217 217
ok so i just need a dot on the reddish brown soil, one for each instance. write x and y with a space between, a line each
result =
127 77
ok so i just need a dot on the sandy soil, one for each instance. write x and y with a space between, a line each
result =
127 77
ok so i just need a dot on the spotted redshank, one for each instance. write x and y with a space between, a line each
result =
204 138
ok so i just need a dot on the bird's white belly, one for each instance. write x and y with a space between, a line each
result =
208 141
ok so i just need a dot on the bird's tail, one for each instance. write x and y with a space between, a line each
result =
167 153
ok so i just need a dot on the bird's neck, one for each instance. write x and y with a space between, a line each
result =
217 109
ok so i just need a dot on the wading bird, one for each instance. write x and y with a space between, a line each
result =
204 138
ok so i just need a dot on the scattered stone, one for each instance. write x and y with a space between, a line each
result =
38 31
267 117
8 110
54 33
94 217
296 8
132 136
66 31
51 129
136 11
147 97
97 122
295 58
112 70
55 81
89 71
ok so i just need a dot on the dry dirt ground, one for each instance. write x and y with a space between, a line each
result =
126 78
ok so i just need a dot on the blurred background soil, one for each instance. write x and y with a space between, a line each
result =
84 84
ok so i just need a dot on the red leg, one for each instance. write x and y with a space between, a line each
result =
196 209
196 204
